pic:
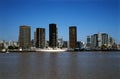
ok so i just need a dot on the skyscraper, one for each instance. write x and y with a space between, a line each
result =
105 39
40 37
112 41
25 37
95 40
53 35
99 39
35 38
72 36
88 41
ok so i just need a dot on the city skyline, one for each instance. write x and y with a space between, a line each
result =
88 16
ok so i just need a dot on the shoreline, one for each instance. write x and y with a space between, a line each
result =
65 51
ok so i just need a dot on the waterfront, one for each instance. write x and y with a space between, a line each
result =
66 65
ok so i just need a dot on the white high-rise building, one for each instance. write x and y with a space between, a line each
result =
11 43
99 39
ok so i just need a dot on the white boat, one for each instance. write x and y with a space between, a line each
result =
3 50
51 50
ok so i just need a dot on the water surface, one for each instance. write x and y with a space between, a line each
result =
66 65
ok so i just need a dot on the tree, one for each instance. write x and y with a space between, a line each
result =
10 47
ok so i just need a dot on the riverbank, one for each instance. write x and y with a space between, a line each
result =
66 51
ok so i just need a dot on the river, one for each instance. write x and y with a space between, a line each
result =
65 65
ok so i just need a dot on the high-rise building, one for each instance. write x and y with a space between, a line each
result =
105 39
53 35
2 44
72 36
99 39
95 40
88 41
60 42
35 38
65 44
92 41
11 43
112 41
25 37
79 44
40 37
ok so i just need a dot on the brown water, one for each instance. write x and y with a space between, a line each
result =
74 65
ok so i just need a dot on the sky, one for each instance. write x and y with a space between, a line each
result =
89 16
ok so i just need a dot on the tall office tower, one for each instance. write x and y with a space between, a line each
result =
35 38
99 39
53 35
88 41
40 37
95 40
112 41
105 39
65 44
25 37
72 36
60 42
92 41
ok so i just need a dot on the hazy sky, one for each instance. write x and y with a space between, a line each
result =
90 17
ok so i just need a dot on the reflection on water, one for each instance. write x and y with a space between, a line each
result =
74 65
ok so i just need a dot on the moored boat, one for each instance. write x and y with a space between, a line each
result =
51 49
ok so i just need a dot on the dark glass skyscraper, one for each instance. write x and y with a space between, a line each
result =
25 37
95 40
72 36
53 35
40 37
88 41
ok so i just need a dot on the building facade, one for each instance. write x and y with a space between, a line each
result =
88 41
34 38
65 44
25 37
40 37
112 41
72 36
60 42
94 40
101 40
53 35
105 39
